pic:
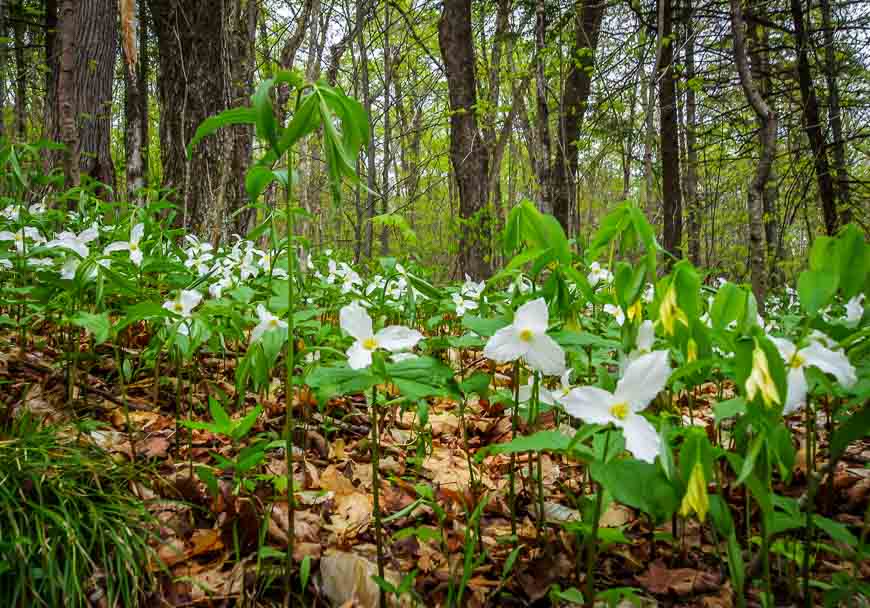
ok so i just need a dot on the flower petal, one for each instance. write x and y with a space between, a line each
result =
532 316
785 347
831 362
646 335
136 233
116 246
545 355
358 357
644 378
396 337
505 346
589 404
136 257
641 438
797 390
356 322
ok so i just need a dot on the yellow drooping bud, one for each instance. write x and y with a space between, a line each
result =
760 380
670 312
635 311
696 499
692 351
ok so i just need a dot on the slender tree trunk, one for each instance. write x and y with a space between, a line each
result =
768 120
672 208
834 115
692 202
542 111
133 102
66 97
20 73
812 121
651 203
3 58
49 112
468 156
142 75
388 132
370 148
588 15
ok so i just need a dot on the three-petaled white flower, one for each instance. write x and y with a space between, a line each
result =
357 323
76 242
527 338
597 274
546 395
462 305
184 302
132 245
832 362
616 312
644 378
268 322
28 232
854 310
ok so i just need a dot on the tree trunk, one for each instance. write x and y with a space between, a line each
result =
692 202
134 103
758 267
812 122
467 154
66 96
588 15
388 132
369 210
672 208
834 115
203 71
3 51
542 113
20 73
51 68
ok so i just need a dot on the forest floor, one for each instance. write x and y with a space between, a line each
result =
212 544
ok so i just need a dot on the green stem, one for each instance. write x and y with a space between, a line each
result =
289 421
376 491
592 546
512 496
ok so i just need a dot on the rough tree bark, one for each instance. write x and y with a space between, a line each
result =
768 120
468 155
588 15
672 206
3 50
812 121
20 71
203 71
66 97
135 103
692 203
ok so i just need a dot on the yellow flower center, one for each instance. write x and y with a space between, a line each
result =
526 335
370 344
134 246
797 361
179 307
273 323
619 410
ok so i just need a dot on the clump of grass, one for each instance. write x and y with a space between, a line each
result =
71 533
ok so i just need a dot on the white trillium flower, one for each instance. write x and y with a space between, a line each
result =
854 310
832 362
357 323
462 305
184 302
132 245
268 322
617 313
644 378
41 262
527 337
6 263
19 236
76 242
597 274
544 394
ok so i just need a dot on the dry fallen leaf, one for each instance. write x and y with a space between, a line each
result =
347 577
680 581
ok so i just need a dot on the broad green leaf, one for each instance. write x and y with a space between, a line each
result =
233 116
816 288
99 325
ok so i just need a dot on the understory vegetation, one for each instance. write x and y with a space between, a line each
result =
265 422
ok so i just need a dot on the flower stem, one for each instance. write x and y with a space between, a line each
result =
512 497
289 421
592 546
376 492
